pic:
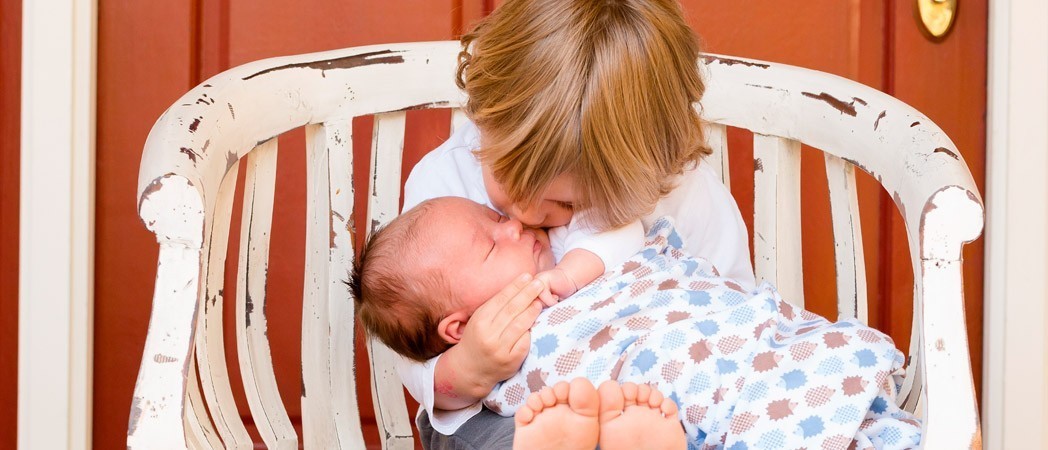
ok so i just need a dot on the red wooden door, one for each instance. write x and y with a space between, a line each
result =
150 53
10 110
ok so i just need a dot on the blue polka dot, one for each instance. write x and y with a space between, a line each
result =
811 426
741 316
626 343
726 366
879 405
865 358
627 311
698 298
545 345
674 240
707 327
699 383
830 366
689 267
674 339
846 414
772 439
794 379
645 360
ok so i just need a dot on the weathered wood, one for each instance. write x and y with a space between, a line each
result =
173 211
847 240
200 433
210 345
337 138
910 391
717 139
318 422
383 204
184 200
951 217
256 362
776 215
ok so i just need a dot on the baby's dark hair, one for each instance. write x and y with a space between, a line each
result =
396 300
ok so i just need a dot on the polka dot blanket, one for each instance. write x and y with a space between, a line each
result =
747 369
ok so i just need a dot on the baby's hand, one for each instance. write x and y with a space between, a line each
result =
560 285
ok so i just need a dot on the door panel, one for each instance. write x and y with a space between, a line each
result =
10 155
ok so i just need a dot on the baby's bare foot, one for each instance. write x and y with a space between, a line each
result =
561 417
638 417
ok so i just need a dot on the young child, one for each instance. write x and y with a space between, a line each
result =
745 367
579 107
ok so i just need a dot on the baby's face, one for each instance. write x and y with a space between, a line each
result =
481 251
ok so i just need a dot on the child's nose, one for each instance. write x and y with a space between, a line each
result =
533 216
510 229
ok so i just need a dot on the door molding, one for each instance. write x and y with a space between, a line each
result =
56 224
1015 372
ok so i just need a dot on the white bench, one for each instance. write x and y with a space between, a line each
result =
188 177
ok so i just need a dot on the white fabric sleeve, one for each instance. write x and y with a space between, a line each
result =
709 221
613 247
418 379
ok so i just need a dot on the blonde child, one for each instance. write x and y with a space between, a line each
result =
582 117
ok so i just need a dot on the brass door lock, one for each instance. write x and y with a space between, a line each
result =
936 17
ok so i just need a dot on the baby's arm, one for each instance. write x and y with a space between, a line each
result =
585 254
577 268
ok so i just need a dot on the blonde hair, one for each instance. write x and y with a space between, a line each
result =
396 303
601 89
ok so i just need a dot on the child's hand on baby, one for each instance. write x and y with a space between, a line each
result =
559 286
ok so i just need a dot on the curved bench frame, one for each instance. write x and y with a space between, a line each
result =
187 182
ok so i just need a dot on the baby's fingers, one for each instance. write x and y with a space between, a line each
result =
548 298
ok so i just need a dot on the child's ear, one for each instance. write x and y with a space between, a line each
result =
450 328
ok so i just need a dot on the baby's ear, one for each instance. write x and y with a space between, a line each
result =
451 327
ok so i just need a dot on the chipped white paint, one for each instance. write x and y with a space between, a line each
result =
171 208
207 131
200 433
383 205
847 240
717 140
318 419
210 345
777 215
951 217
256 364
337 137
913 160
